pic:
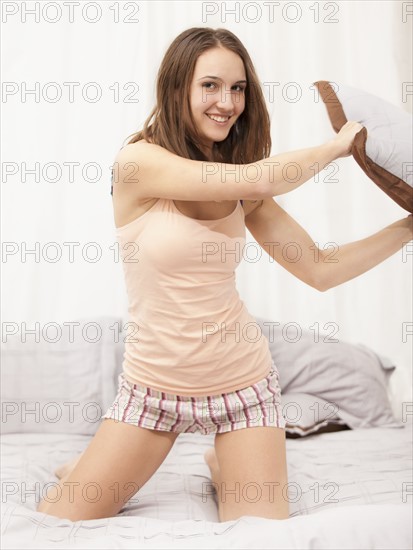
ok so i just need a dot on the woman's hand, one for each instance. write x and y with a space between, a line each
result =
345 137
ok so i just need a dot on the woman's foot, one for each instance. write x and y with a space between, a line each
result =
212 461
67 467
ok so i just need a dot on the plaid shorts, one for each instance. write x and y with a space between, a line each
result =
255 405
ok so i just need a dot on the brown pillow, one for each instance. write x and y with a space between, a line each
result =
383 148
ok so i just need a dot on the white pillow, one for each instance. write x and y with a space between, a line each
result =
384 147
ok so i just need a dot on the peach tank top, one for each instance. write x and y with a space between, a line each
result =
192 334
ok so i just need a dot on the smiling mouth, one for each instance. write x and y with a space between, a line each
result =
221 120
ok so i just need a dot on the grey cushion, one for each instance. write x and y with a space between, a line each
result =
63 386
351 376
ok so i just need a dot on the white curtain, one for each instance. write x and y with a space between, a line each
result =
78 79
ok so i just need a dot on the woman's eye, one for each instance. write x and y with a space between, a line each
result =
237 87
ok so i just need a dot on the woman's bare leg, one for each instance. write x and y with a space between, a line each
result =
118 461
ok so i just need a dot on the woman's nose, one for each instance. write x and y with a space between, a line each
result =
226 100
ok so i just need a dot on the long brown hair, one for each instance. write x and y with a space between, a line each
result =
173 127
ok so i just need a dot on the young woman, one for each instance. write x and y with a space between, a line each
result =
184 189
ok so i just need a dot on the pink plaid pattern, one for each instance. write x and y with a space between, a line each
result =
255 405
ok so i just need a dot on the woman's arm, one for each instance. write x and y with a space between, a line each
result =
284 172
144 170
353 259
287 171
289 244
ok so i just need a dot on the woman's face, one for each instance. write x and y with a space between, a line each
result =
217 90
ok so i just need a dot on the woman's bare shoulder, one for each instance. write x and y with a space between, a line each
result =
141 145
134 145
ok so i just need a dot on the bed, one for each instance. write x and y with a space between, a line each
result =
349 465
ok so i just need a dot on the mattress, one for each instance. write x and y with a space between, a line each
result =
347 489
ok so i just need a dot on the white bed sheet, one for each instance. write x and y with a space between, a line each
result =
368 472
